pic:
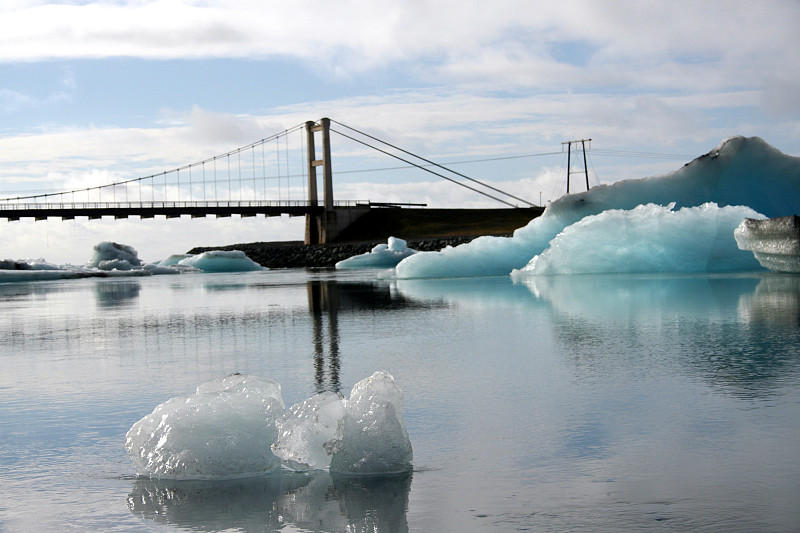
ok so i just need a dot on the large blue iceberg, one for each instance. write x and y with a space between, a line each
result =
739 172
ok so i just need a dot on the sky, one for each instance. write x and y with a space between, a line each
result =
94 93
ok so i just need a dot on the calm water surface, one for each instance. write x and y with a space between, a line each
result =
604 403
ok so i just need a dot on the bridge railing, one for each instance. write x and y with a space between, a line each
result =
27 206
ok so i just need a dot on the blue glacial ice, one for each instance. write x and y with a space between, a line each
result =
221 261
647 238
381 256
238 427
739 172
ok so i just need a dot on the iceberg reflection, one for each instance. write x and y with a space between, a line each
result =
731 330
317 501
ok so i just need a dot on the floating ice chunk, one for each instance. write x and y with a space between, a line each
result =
648 238
775 242
158 270
305 429
382 256
113 256
222 261
174 259
223 431
10 276
373 436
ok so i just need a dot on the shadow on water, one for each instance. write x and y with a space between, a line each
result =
318 501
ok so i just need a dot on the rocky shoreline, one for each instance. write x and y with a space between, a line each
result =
299 255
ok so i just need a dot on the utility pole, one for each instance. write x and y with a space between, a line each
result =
569 159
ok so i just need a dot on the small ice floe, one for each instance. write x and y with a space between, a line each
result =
238 427
381 256
775 242
221 261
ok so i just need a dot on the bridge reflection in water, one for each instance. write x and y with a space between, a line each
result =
323 298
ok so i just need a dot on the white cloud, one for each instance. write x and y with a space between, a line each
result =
642 43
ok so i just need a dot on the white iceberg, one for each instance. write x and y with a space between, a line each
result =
223 431
221 261
381 256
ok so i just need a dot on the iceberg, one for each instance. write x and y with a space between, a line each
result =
221 261
223 431
740 171
775 242
648 238
381 256
113 256
174 259
238 427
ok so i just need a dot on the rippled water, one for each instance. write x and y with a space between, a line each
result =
599 403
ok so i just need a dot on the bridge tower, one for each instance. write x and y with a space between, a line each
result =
324 226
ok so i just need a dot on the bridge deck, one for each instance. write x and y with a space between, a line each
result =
95 210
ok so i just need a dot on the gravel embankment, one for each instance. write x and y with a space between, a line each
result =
299 255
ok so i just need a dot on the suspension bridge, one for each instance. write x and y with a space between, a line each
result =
256 179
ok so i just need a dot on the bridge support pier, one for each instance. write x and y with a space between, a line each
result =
325 226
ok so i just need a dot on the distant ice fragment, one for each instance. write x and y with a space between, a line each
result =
223 431
304 430
373 437
174 259
381 256
113 256
222 261
775 242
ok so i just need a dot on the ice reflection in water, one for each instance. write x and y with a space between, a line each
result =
608 320
317 501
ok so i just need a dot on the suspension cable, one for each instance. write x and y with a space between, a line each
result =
436 165
425 169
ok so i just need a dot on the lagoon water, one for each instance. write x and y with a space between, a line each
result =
657 402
